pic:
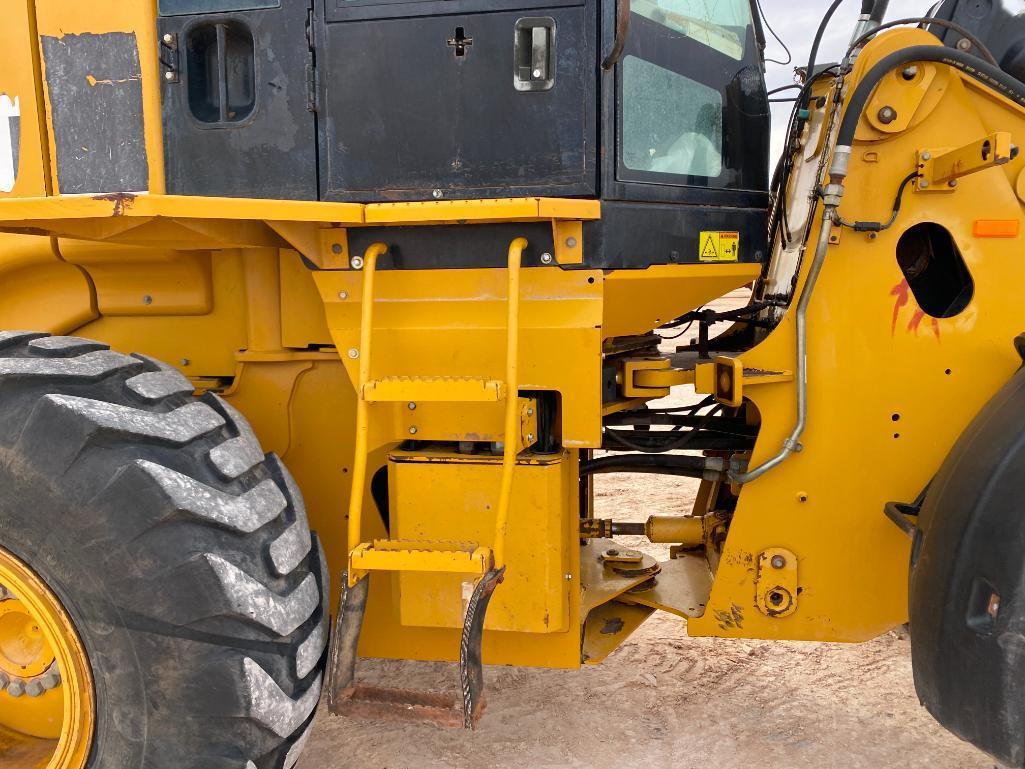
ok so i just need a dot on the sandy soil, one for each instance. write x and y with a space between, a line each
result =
666 700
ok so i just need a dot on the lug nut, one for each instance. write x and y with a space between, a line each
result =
16 688
50 681
4 680
34 689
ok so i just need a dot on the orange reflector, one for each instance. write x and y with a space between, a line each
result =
996 228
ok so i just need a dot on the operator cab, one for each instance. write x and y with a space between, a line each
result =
655 107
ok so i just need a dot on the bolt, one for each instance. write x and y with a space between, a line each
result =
34 689
168 38
778 562
927 155
4 680
536 73
546 258
775 598
530 412
530 436
923 184
343 295
185 361
438 194
147 299
169 75
3 593
356 262
802 496
353 353
569 577
887 115
612 553
952 183
412 406
571 242
910 73
412 430
336 248
51 680
964 44
16 688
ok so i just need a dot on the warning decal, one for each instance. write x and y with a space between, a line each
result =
10 129
719 247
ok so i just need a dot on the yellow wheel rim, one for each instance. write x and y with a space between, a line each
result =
46 690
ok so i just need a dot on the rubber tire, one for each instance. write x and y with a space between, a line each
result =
181 552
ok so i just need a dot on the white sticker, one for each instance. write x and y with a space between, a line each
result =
10 139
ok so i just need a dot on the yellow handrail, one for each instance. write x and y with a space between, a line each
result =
359 463
512 402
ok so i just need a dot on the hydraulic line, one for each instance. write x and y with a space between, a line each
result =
707 468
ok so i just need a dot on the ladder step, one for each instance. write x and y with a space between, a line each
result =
410 555
437 389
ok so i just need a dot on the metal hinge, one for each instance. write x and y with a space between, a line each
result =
311 65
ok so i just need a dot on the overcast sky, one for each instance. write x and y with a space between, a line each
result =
796 21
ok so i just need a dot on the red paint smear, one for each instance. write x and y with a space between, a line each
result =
902 292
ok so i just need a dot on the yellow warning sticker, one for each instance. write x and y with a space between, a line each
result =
719 247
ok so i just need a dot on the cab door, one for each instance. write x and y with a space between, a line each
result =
687 109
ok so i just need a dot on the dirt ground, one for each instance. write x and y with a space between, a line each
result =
666 700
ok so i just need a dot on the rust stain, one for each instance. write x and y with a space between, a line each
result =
121 201
732 619
902 294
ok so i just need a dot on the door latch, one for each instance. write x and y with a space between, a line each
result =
535 61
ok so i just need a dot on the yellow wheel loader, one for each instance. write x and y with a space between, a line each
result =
405 274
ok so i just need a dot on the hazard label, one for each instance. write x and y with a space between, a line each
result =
719 247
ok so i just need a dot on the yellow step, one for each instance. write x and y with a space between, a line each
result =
411 555
435 389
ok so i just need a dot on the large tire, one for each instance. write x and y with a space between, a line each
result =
180 551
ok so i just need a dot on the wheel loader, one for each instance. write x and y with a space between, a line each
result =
323 315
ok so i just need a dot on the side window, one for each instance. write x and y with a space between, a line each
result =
719 24
671 124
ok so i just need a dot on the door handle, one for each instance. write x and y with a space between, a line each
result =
535 63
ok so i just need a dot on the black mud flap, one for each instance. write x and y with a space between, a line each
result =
968 583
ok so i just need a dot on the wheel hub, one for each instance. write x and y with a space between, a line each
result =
46 717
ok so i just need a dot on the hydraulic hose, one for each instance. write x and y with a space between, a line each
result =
709 468
967 64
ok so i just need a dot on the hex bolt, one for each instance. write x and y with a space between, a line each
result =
778 562
530 412
438 194
412 406
546 258
169 75
923 184
353 353
356 262
168 38
910 72
16 688
952 183
964 44
4 680
51 680
927 155
3 593
530 437
412 430
185 361
343 295
571 242
34 689
569 577
147 299
887 115
336 248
